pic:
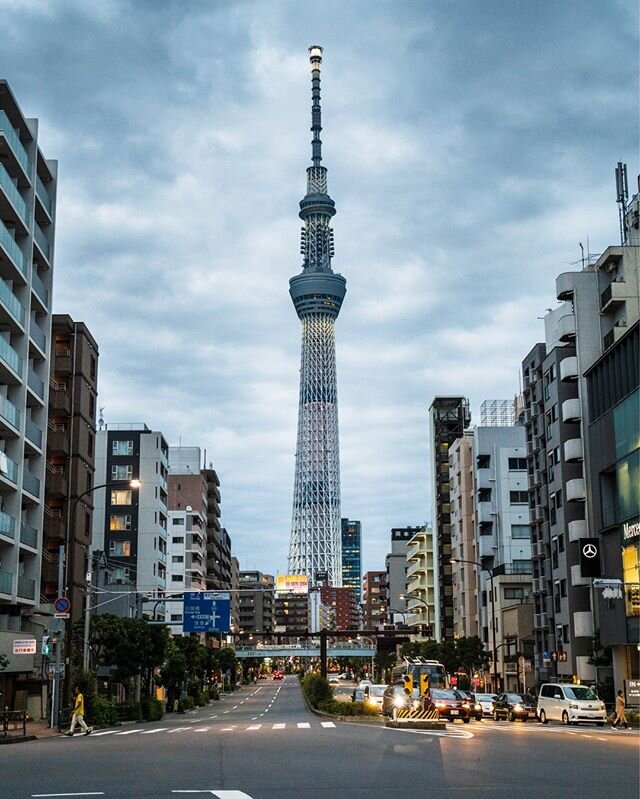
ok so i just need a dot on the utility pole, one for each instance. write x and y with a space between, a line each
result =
59 635
87 610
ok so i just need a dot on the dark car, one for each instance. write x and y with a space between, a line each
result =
513 707
475 708
448 705
394 698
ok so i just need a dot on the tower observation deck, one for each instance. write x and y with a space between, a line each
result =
317 293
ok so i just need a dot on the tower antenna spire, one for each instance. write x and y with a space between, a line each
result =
315 56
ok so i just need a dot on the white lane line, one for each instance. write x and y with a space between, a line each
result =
303 725
278 726
179 729
128 732
253 718
84 793
214 717
195 721
227 729
254 727
327 724
219 794
602 739
202 729
226 711
235 707
105 732
151 732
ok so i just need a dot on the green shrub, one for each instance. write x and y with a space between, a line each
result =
152 709
129 711
214 693
316 689
201 699
103 712
346 708
186 704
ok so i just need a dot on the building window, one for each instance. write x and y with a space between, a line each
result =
484 461
517 464
121 497
559 498
176 617
177 559
177 521
92 368
563 587
514 592
522 567
178 539
177 578
90 444
120 521
122 472
122 447
484 495
518 497
120 548
520 531
565 633
561 543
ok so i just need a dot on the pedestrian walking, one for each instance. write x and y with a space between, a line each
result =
78 714
620 717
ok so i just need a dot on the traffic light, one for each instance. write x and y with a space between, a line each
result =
46 645
424 684
407 681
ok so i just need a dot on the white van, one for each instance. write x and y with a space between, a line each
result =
570 704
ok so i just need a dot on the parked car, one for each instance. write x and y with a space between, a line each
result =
514 706
486 701
448 704
570 704
475 708
277 675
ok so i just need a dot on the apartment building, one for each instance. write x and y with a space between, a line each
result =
466 619
256 602
374 600
421 587
396 567
28 183
449 417
344 604
130 519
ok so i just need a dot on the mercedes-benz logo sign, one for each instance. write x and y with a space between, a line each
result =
589 551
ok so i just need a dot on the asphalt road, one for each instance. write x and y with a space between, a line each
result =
262 743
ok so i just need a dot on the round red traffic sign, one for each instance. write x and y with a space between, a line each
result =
62 604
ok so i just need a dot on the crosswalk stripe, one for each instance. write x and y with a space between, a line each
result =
254 727
327 724
202 729
179 729
106 732
303 725
128 732
279 726
151 732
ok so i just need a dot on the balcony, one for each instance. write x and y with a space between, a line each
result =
577 529
540 621
576 491
40 290
10 363
8 468
6 581
565 285
12 202
38 337
33 433
12 144
613 335
12 305
28 535
59 399
56 481
54 530
567 328
26 588
30 483
573 450
58 440
41 240
614 294
7 525
13 253
42 193
569 369
9 417
571 410
35 384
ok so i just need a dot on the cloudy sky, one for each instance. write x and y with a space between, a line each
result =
470 148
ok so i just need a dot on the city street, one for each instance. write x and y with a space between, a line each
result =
263 743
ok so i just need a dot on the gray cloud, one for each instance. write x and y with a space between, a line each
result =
469 146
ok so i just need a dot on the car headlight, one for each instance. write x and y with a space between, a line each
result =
477 706
399 701
371 701
518 708
603 706
466 705
574 707
441 704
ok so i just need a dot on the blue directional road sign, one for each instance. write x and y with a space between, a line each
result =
206 612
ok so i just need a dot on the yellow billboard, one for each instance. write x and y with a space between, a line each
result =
292 584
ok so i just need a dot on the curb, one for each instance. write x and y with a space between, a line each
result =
416 725
17 739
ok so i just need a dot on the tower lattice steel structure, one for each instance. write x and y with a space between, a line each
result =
317 295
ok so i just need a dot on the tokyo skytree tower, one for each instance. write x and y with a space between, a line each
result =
317 294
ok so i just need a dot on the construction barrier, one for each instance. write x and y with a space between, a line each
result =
427 715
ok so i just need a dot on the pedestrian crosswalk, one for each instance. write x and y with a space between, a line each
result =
300 725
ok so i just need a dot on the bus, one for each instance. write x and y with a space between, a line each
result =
416 667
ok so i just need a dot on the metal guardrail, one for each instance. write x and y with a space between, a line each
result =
13 723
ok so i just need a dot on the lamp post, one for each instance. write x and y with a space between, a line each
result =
415 598
493 615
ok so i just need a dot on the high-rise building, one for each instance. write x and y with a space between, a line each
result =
346 607
27 223
256 602
448 417
463 537
396 566
317 294
130 523
421 587
374 599
352 555
71 460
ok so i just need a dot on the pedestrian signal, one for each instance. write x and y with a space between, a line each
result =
424 684
407 681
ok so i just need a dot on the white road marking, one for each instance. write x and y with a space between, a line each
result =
235 707
105 732
226 711
85 793
219 794
303 725
178 729
202 729
214 717
278 726
128 732
327 724
254 727
151 732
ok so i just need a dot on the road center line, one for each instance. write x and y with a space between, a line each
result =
84 793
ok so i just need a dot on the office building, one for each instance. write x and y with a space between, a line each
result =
28 182
345 604
396 567
374 600
317 293
352 555
256 602
449 417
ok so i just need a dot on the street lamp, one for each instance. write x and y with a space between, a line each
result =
415 598
493 614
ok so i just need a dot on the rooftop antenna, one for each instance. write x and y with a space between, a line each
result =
622 198
582 251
